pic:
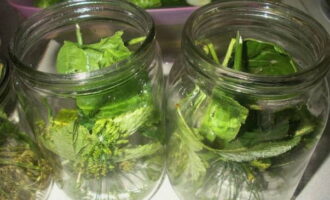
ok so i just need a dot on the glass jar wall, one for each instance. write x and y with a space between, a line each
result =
89 79
24 173
240 135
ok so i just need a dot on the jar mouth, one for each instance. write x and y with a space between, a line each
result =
234 15
78 11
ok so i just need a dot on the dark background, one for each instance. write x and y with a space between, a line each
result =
9 21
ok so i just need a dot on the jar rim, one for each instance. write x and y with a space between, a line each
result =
46 78
318 70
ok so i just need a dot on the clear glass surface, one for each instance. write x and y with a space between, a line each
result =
24 173
102 130
276 120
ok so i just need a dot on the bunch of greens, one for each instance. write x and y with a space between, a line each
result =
240 137
140 3
108 132
46 3
22 171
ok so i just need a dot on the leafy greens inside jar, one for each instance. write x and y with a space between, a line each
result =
24 173
99 115
141 3
247 101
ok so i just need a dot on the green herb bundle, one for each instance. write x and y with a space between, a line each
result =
110 132
224 143
140 3
23 172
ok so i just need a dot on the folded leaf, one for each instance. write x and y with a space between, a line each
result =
74 57
223 118
71 59
59 140
240 153
185 163
267 59
139 151
111 50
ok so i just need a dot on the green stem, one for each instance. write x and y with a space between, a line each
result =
19 165
206 49
1 69
238 53
136 40
293 65
229 52
213 53
79 35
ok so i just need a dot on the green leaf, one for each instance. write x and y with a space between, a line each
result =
58 137
184 162
94 58
267 59
147 3
65 116
59 140
240 153
112 48
257 57
139 152
126 100
71 59
275 131
134 93
223 118
131 121
76 57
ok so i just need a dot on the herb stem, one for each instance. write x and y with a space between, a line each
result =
238 52
19 165
79 35
136 40
213 53
229 52
1 69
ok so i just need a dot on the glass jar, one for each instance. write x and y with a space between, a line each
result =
24 173
236 135
103 129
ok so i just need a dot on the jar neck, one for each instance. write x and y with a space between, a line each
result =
304 39
49 22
